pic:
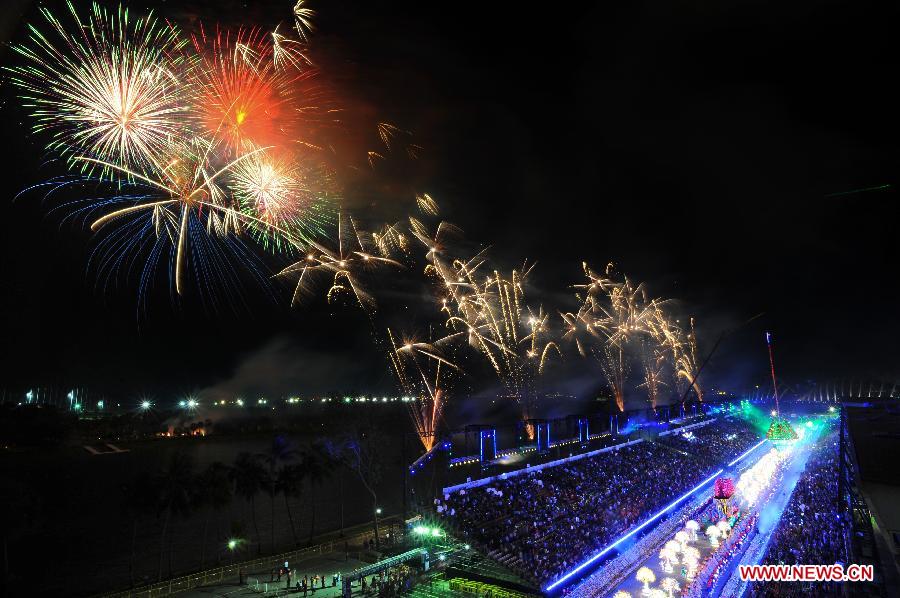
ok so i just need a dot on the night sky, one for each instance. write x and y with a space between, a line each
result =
699 146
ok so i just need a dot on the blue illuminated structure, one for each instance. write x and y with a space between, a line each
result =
542 433
421 461
584 433
488 450
748 451
635 530
671 505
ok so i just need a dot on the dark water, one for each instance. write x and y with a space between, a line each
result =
74 536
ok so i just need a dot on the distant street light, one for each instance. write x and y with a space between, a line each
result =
233 543
145 405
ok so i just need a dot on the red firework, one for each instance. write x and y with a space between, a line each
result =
249 97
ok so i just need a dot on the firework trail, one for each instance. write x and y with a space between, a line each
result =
616 324
681 346
613 315
423 374
653 361
303 19
511 336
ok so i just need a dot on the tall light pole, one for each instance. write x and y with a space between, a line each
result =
772 367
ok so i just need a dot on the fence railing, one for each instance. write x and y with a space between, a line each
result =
267 563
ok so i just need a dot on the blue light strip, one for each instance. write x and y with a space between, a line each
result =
594 558
748 451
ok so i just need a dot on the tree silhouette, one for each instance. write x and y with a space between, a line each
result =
213 493
249 477
318 465
279 452
362 454
140 499
290 484
174 485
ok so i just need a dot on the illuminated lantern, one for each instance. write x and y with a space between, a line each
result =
669 585
666 557
723 490
724 528
713 533
646 576
692 527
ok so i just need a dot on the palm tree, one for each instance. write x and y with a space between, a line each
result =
213 492
173 491
318 466
280 452
290 484
139 500
362 455
249 477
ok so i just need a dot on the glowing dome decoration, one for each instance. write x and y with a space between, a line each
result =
691 553
669 585
646 576
690 558
713 533
667 556
724 528
692 527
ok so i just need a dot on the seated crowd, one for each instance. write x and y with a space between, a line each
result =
811 531
544 523
716 443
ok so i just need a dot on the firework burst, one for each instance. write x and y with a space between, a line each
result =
108 89
284 194
303 19
251 89
199 143
346 266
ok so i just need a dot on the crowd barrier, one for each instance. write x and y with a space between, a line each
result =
233 571
482 590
